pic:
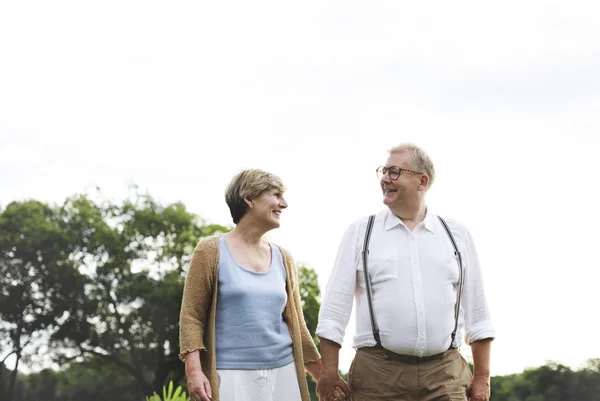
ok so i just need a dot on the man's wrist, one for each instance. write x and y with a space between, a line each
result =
481 371
482 377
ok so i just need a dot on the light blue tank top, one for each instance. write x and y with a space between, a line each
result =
250 331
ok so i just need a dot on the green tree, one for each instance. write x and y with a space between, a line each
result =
38 282
92 380
310 294
134 254
552 381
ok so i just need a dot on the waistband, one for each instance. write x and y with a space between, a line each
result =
409 358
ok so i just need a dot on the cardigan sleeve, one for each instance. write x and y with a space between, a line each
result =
197 296
309 349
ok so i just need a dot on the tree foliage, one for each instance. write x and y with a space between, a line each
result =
134 254
310 294
95 287
95 278
551 382
38 281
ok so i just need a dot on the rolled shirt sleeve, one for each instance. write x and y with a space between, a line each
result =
336 306
478 324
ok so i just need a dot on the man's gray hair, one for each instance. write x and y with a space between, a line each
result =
419 161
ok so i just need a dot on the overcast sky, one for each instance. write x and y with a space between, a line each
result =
178 96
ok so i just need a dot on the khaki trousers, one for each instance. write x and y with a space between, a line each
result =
377 374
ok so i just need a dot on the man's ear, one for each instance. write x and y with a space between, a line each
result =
424 182
248 202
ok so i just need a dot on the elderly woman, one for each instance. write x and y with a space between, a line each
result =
242 332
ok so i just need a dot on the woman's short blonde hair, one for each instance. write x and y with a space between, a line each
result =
249 184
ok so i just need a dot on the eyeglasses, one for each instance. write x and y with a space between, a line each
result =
394 172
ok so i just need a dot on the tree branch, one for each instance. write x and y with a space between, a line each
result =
6 357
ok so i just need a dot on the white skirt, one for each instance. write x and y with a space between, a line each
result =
279 384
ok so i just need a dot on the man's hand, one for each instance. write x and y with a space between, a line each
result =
331 387
479 390
199 386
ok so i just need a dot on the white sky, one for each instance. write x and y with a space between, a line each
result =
178 96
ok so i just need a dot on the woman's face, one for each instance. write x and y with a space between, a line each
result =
267 207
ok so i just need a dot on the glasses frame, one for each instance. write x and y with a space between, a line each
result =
386 170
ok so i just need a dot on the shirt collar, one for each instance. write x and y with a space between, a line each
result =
391 221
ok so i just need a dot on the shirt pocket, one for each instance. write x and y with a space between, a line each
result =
445 268
444 263
381 268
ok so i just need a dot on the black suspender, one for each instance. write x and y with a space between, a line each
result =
460 278
365 257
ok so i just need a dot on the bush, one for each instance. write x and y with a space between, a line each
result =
169 395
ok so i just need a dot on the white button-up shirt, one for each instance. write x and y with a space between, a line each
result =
414 284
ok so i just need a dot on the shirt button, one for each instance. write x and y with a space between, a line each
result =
414 262
421 311
420 338
418 286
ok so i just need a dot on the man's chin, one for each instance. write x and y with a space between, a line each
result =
387 201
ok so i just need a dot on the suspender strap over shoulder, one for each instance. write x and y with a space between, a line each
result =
365 258
458 256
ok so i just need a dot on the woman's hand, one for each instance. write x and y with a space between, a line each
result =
314 369
331 387
197 382
198 386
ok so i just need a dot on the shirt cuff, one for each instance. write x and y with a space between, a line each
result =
331 330
480 331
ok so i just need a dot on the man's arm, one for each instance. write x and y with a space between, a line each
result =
478 323
338 296
481 357
330 377
479 329
330 352
480 387
334 314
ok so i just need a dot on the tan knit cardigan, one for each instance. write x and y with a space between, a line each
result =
199 306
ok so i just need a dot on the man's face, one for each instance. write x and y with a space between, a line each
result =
406 187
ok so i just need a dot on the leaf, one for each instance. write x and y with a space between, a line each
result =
169 397
177 392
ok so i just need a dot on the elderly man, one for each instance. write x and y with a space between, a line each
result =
417 284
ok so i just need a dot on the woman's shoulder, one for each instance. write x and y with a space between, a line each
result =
281 249
288 260
208 244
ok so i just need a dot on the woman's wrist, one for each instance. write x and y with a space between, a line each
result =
314 369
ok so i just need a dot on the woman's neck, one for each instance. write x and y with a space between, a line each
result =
247 234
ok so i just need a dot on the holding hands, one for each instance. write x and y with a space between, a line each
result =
331 387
